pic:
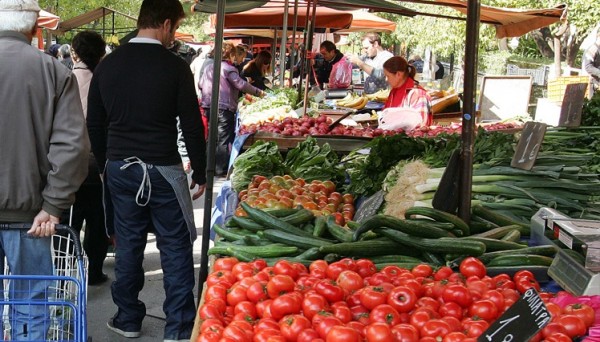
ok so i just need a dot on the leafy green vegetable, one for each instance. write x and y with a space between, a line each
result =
262 158
590 115
311 162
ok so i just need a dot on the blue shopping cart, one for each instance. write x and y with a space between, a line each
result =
54 305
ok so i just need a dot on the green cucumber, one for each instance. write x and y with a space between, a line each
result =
283 212
267 251
367 248
493 245
230 234
338 232
444 225
405 265
273 261
411 228
331 257
521 260
440 216
271 221
480 225
393 258
312 253
247 223
499 219
240 255
353 225
320 226
497 233
433 258
546 250
441 245
256 241
291 239
514 236
299 217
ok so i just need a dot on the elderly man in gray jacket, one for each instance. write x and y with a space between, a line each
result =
43 159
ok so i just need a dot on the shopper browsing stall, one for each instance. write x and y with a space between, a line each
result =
408 105
256 70
371 62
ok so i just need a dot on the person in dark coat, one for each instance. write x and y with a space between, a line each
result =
331 55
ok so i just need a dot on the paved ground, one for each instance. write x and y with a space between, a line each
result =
100 306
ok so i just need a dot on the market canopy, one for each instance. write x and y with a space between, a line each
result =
363 21
48 20
88 17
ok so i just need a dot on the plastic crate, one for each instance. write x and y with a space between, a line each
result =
557 86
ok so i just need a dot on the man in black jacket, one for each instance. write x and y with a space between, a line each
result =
331 55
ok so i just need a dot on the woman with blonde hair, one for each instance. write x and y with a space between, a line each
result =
256 70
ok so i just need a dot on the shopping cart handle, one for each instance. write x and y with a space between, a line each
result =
8 226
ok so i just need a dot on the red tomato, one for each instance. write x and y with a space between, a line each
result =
263 309
247 308
208 311
393 271
405 333
279 285
553 328
546 296
453 322
365 268
209 336
554 309
454 336
497 298
318 269
358 326
224 277
442 273
402 299
472 266
386 314
308 335
285 267
258 264
583 311
360 314
379 332
474 328
350 281
311 304
236 294
224 264
265 323
211 324
236 333
458 294
340 333
372 296
436 328
428 302
524 283
558 337
414 285
324 325
242 270
354 299
265 335
484 309
257 292
330 290
378 279
523 274
334 269
285 305
215 292
292 325
422 270
477 287
574 325
342 312
451 309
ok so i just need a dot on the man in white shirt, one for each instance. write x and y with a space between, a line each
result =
371 62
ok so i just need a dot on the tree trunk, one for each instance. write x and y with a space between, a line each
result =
543 40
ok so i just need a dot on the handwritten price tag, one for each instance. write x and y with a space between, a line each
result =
529 145
520 322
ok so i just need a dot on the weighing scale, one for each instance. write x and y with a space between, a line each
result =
579 235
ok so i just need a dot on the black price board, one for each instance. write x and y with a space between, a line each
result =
529 145
520 322
572 105
369 206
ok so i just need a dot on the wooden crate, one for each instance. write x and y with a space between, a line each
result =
557 87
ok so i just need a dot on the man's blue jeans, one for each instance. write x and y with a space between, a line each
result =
135 214
27 256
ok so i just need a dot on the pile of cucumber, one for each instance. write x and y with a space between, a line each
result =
425 235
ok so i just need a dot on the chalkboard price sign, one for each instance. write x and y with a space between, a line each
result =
369 206
572 105
520 322
529 145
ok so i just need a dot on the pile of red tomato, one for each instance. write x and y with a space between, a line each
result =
349 300
280 192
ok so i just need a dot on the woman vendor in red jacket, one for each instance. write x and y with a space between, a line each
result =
408 105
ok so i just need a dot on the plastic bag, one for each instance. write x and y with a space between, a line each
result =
399 118
341 74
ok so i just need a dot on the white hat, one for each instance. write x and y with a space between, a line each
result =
19 5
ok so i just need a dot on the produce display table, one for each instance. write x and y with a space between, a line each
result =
338 143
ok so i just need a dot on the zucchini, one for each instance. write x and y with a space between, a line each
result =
499 219
440 216
320 226
366 248
338 232
290 239
272 222
497 233
299 217
441 245
229 234
492 245
267 251
521 260
393 258
247 223
411 228
546 250
514 236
